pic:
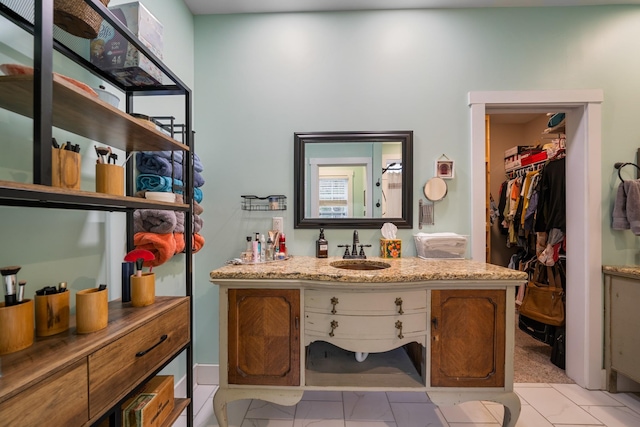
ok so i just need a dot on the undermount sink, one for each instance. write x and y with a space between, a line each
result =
360 264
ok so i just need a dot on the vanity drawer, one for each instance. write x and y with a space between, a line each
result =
62 396
365 327
121 365
365 303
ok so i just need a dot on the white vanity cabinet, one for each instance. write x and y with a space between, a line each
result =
451 337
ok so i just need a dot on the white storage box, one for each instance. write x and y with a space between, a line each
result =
440 245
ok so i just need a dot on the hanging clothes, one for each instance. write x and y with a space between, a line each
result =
551 212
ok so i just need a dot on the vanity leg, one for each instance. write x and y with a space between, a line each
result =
226 395
509 400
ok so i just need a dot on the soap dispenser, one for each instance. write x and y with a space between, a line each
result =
322 246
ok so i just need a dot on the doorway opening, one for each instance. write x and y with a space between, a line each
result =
584 276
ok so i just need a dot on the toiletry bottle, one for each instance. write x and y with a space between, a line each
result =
282 253
268 252
263 249
256 249
249 245
322 246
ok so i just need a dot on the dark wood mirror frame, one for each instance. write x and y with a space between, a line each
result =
303 138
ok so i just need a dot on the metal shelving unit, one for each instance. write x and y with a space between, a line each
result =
51 102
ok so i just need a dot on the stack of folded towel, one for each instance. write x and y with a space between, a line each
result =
162 231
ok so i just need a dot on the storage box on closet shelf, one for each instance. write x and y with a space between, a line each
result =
440 245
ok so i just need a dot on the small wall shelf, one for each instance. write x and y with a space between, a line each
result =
276 202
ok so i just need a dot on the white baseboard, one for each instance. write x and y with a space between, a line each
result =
206 374
202 375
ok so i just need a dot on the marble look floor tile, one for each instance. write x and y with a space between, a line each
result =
267 410
236 411
583 397
529 417
329 396
417 415
250 422
467 412
531 385
318 410
614 416
555 407
473 425
408 397
628 399
180 422
366 406
202 394
369 424
318 423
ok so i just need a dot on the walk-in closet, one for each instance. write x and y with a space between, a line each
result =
526 230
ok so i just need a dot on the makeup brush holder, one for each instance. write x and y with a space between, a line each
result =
16 324
143 289
65 169
109 179
52 313
92 310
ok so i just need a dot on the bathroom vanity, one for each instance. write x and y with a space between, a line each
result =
442 327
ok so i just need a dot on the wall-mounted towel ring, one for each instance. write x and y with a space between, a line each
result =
620 165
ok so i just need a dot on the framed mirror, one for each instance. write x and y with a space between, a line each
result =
353 179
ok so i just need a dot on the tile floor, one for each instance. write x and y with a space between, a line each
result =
543 405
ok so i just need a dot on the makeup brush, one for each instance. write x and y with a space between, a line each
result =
139 256
9 275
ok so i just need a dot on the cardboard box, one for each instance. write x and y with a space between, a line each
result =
110 51
152 406
390 248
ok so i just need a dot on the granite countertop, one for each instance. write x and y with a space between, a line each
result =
626 270
401 270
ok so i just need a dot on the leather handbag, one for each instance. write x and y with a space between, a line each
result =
544 302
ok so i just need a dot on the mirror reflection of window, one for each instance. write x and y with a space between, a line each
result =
334 195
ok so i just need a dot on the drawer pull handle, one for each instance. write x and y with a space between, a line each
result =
143 352
399 326
399 304
334 325
334 301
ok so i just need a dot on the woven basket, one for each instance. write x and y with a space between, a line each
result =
77 17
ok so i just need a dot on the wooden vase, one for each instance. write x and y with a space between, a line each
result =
109 179
16 326
65 169
92 310
52 313
143 289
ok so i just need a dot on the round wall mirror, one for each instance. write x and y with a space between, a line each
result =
435 189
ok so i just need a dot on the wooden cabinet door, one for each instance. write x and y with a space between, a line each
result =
264 336
468 338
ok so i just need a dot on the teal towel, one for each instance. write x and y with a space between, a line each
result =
150 182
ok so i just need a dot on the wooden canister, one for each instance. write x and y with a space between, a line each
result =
52 313
109 179
65 169
16 326
143 289
92 310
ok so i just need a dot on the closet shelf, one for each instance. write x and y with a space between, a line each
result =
35 195
78 112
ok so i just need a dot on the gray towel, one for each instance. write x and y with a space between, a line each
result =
626 209
154 221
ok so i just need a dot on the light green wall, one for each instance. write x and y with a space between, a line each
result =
263 77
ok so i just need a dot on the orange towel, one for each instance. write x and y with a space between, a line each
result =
163 246
197 239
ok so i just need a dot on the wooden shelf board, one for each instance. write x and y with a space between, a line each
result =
43 195
83 114
179 405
